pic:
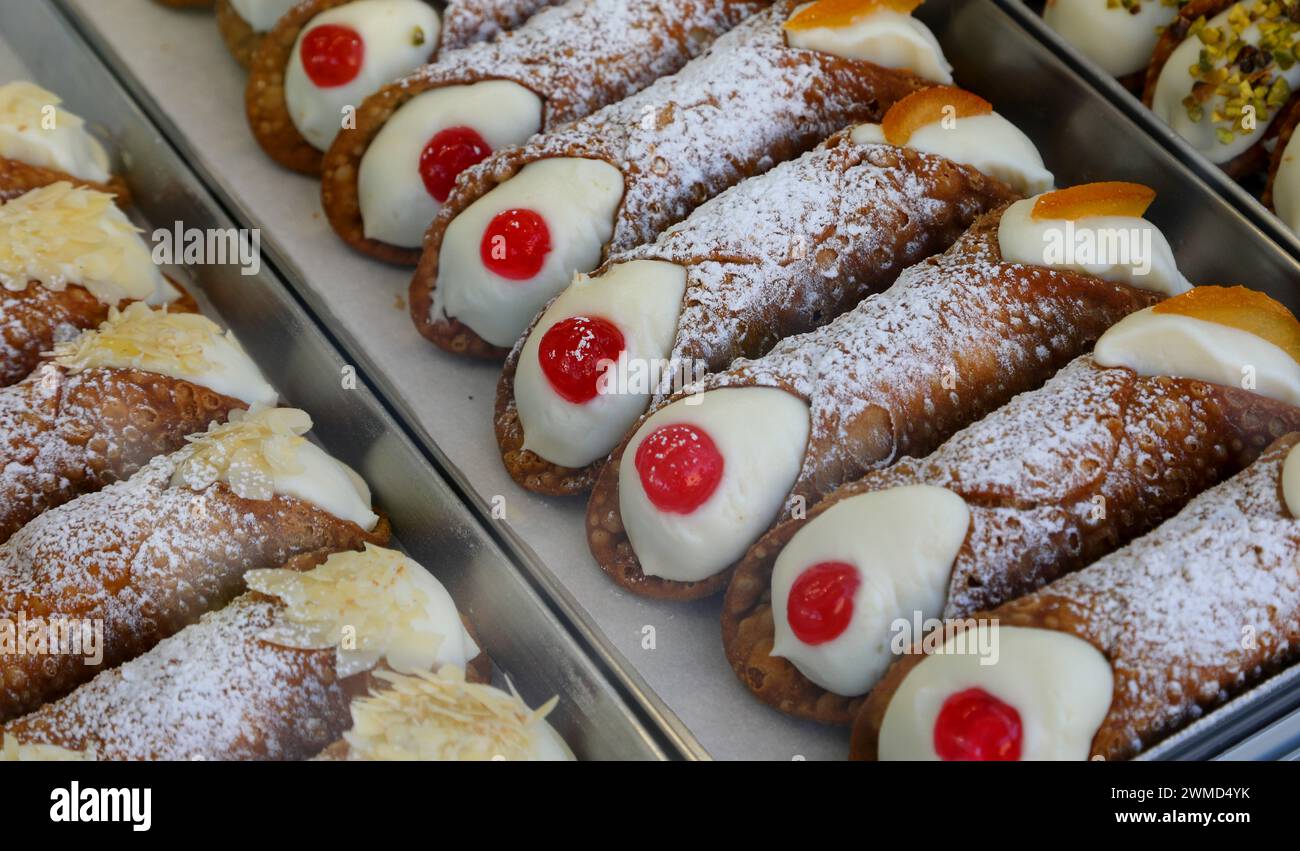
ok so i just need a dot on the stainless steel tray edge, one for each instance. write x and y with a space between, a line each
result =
674 738
525 633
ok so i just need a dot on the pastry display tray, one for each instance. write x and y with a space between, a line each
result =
667 657
1027 15
529 641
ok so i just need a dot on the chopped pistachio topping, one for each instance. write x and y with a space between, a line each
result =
1236 73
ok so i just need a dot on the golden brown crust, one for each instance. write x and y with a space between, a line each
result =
241 39
33 320
264 103
1253 159
910 413
18 178
80 433
1201 434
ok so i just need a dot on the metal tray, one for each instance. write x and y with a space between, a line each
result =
519 629
174 64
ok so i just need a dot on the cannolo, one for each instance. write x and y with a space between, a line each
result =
737 276
1117 442
385 180
40 144
1119 35
1282 189
270 675
322 58
694 484
520 223
111 400
114 572
1220 74
67 255
1105 662
443 717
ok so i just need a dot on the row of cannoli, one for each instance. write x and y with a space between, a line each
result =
1221 73
501 167
173 547
350 655
815 328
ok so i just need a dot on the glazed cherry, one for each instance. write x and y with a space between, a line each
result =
975 725
821 601
332 55
571 352
448 153
680 467
515 244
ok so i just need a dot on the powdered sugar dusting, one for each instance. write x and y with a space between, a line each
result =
469 21
788 251
955 337
1190 613
212 691
749 102
146 559
587 53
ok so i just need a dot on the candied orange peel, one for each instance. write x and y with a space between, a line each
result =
1241 308
1110 198
923 108
842 13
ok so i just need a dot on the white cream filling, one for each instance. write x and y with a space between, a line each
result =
399 36
886 38
1175 83
1118 40
988 143
1059 684
262 15
1291 481
395 206
1121 249
578 199
902 542
1180 346
1286 186
762 435
328 484
374 605
61 235
34 130
184 346
643 298
262 453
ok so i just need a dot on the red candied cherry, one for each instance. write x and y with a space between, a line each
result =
571 352
680 467
448 153
332 55
975 725
820 606
515 244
